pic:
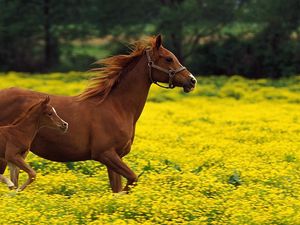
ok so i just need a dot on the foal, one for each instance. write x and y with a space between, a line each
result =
16 139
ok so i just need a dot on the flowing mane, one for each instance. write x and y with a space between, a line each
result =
108 75
25 114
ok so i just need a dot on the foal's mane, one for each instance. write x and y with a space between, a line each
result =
108 75
25 114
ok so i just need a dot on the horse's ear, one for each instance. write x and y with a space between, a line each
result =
46 100
158 41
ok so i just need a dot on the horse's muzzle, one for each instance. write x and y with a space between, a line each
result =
64 127
190 85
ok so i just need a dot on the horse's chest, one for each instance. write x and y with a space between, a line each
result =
117 135
124 149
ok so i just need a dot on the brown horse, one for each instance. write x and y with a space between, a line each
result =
16 139
102 119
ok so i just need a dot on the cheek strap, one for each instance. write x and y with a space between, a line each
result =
171 73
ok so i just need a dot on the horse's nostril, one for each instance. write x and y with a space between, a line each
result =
193 80
65 124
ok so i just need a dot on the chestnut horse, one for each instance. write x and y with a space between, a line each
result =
102 118
16 139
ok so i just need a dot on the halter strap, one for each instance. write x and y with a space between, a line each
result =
170 72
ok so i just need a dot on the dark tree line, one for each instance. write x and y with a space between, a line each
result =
31 31
250 37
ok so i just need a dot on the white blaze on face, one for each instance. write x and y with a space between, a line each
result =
60 118
54 111
192 76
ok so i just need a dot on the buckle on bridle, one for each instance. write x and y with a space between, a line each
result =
170 72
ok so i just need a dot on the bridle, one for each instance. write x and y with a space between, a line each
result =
170 72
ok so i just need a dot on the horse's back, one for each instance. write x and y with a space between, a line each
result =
15 91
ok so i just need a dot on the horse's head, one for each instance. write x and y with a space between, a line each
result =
164 67
49 117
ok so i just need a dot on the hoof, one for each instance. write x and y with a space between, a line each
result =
120 193
12 187
19 190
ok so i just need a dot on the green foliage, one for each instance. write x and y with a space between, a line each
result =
253 58
31 32
248 37
235 179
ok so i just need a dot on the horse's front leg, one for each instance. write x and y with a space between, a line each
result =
14 174
19 161
13 156
113 162
7 181
14 171
3 179
115 180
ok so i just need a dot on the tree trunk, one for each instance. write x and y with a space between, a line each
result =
51 44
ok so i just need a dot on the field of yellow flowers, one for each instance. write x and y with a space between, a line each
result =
228 153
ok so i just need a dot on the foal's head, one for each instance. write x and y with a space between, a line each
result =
48 116
166 68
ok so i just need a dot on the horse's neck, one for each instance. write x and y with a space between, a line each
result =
28 126
131 92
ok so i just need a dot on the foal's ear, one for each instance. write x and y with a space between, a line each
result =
46 100
158 41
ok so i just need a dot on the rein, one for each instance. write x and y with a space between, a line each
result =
171 73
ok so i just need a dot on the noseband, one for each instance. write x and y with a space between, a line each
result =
170 72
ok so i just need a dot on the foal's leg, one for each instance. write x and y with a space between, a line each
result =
114 180
3 179
7 181
14 174
113 161
19 161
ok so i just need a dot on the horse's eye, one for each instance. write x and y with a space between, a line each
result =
169 59
50 114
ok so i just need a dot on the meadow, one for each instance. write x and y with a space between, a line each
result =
228 153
